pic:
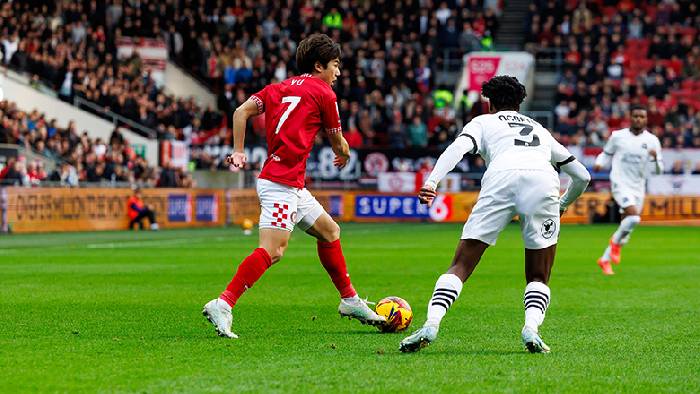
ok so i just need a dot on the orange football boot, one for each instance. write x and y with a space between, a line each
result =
605 266
615 252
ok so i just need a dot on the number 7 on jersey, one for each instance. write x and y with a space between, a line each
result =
293 102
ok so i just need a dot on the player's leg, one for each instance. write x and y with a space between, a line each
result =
447 289
316 222
538 266
278 208
630 206
492 212
327 233
538 208
630 219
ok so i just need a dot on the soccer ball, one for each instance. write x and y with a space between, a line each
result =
247 226
397 312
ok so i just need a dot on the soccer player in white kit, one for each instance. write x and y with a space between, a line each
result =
630 151
521 179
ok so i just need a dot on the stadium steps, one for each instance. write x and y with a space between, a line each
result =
545 90
512 25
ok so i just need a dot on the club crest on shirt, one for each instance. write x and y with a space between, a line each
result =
644 146
549 228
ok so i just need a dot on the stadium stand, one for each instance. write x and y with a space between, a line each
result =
79 158
613 56
391 53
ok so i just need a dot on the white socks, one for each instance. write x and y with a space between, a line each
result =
621 236
536 301
447 289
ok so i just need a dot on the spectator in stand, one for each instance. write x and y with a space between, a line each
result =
418 133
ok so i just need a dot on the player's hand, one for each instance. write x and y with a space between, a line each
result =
237 159
426 195
652 153
597 168
340 161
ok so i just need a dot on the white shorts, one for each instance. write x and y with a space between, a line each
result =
627 197
283 207
531 194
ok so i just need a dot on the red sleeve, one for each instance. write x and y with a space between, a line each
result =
260 98
330 116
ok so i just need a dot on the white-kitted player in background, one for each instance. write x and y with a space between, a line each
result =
521 157
630 151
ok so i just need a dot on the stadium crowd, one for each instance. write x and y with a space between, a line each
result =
78 157
391 53
388 96
615 55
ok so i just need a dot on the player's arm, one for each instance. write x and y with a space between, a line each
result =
563 160
249 108
605 157
341 149
657 158
463 144
330 117
580 177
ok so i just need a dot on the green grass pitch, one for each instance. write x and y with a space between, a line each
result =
121 312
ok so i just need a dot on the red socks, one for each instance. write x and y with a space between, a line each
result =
331 255
250 270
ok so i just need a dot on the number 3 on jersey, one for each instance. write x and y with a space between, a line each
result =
526 130
293 102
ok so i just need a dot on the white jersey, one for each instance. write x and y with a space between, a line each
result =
630 157
508 140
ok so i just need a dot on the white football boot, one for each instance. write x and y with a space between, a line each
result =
218 312
356 308
532 341
419 339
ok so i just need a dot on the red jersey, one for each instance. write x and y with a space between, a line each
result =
295 110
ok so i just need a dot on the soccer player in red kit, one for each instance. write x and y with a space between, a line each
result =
295 111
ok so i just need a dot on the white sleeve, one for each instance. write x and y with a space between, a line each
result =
560 155
449 159
606 155
474 130
579 181
659 158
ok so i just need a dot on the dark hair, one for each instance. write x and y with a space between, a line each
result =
316 48
637 107
504 92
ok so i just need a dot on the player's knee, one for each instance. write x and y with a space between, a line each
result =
277 253
631 220
329 232
333 232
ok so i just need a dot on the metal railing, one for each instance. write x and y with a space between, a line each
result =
48 162
549 59
115 118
